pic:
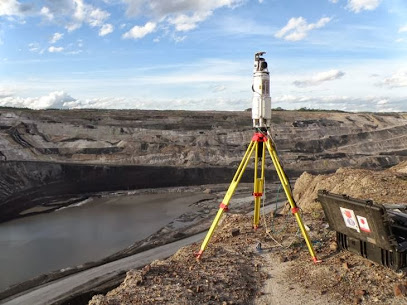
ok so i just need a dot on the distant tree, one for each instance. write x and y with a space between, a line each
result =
278 109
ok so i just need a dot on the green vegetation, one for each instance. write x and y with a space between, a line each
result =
320 110
13 108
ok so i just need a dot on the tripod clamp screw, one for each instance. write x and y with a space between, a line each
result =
295 210
224 207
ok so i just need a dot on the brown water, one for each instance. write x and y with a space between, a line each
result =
72 236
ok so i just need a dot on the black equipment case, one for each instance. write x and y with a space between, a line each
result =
374 231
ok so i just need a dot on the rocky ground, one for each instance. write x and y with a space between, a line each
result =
233 271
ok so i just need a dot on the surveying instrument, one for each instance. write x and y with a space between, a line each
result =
261 115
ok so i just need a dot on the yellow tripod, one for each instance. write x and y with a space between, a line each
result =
258 145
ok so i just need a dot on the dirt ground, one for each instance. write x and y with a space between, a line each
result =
235 270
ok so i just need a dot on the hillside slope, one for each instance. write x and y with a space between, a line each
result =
385 186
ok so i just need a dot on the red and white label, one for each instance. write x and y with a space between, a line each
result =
350 219
363 225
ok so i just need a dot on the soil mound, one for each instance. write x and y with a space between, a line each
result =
386 186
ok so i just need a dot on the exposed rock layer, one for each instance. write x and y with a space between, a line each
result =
311 140
80 151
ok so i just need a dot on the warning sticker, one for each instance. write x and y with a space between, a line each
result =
350 219
363 225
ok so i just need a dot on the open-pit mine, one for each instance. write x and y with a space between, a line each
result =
71 171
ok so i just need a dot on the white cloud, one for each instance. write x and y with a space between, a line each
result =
360 5
333 1
62 100
47 13
160 104
398 40
298 28
106 29
161 8
186 23
56 99
86 13
96 17
53 49
184 15
138 32
177 38
9 7
57 36
398 79
180 15
319 78
344 103
218 88
33 47
403 29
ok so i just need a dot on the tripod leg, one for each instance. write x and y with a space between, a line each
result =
224 205
258 183
287 190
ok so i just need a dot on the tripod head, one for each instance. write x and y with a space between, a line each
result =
261 107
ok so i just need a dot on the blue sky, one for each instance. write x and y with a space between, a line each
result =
198 54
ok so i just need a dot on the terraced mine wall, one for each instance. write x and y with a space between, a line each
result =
50 158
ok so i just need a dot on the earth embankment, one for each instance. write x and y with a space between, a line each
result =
385 186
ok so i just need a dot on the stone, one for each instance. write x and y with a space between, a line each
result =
235 232
333 246
360 292
283 259
368 263
399 290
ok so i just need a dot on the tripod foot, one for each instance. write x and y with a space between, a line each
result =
316 261
198 254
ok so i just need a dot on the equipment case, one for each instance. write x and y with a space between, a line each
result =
374 231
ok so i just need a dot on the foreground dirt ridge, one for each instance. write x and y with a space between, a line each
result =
234 271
